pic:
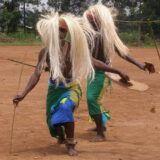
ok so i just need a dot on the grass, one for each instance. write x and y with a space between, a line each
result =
151 45
17 43
31 39
131 39
20 39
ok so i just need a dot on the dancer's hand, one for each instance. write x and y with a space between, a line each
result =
17 99
124 78
46 69
149 67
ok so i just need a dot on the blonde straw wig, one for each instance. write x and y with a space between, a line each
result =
48 28
103 19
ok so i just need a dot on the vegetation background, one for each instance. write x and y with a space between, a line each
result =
138 21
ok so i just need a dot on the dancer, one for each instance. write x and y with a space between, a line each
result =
107 42
68 61
68 58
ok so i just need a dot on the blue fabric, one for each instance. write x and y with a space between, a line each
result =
104 119
63 113
61 84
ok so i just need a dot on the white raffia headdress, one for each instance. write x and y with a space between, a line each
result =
107 29
48 28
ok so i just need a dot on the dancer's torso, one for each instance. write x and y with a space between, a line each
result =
98 50
66 62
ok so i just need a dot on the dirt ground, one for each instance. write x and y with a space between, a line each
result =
132 134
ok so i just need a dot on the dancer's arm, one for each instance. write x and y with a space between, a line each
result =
131 60
103 67
34 79
146 66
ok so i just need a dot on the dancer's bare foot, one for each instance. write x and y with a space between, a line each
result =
71 150
99 138
94 129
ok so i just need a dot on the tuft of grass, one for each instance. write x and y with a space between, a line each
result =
131 39
20 39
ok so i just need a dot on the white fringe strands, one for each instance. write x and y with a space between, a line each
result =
48 28
89 32
107 29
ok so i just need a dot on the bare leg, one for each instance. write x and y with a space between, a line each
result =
100 129
70 144
60 133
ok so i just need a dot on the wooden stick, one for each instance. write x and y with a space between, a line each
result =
21 62
14 111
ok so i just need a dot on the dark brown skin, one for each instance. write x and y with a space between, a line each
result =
99 54
99 65
34 79
146 67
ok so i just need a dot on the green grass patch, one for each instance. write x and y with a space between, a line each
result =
20 39
131 39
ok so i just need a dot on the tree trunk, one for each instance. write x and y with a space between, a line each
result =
24 16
